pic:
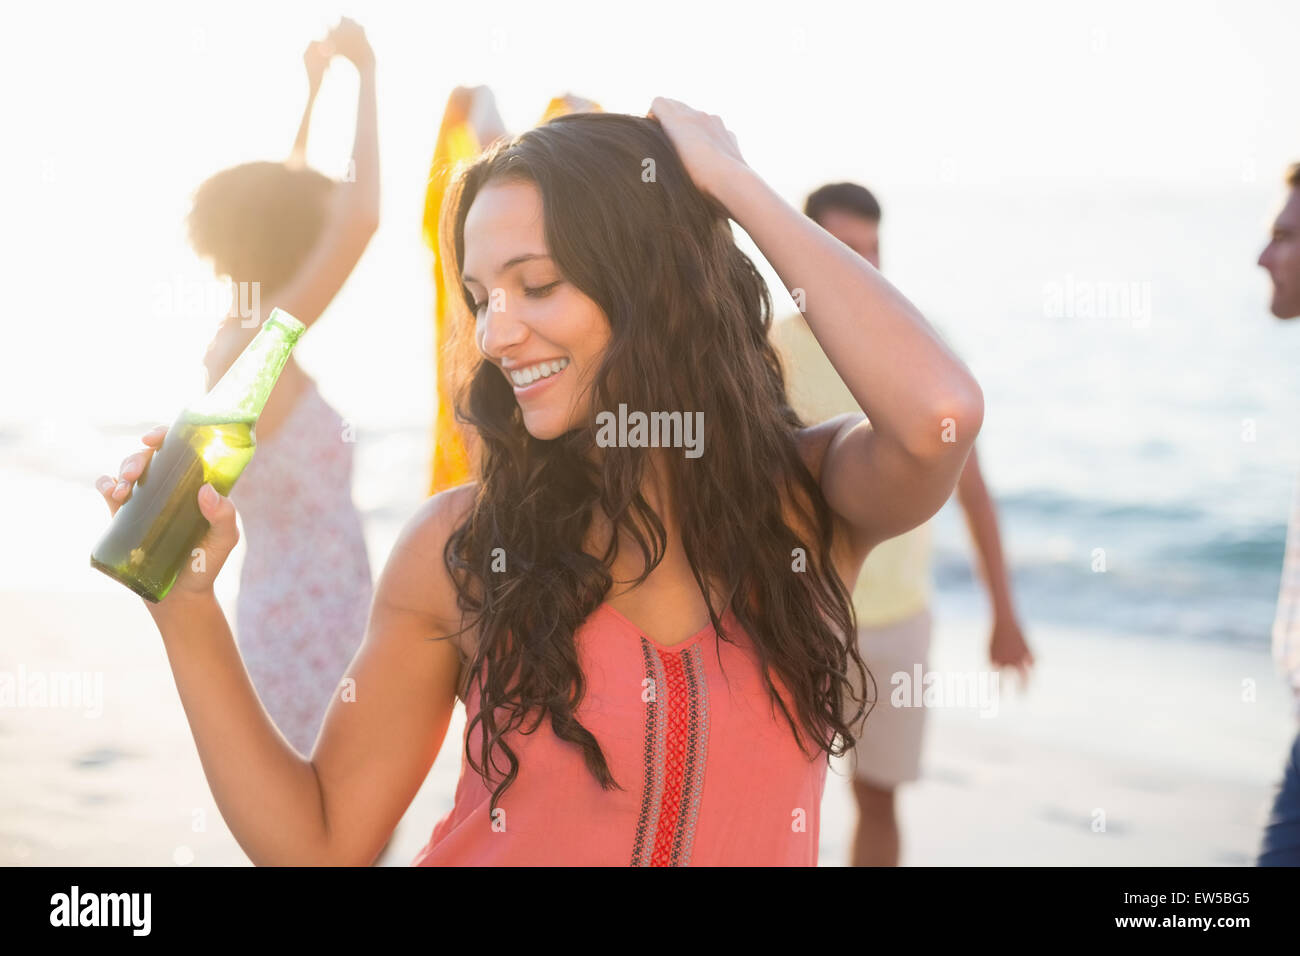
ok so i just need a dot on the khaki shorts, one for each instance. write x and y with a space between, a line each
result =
889 751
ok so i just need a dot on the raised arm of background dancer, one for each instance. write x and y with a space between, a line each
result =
485 118
316 58
353 213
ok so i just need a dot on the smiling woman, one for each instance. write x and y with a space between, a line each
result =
591 288
529 319
588 286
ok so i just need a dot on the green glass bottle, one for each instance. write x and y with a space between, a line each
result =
157 530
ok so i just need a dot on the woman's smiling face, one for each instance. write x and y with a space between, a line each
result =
543 334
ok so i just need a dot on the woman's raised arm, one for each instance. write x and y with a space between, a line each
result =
353 213
316 58
925 407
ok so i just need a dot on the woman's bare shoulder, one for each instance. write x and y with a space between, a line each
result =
440 514
415 579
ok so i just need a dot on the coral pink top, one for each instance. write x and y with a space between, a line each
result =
710 769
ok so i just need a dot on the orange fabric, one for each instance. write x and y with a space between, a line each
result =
456 144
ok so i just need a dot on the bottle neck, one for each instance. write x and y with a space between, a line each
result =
242 393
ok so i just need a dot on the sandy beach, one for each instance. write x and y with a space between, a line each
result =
1179 767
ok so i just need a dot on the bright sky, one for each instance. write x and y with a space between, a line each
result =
112 116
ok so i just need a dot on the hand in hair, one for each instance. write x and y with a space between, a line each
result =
708 149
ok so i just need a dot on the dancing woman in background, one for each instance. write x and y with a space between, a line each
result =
305 586
653 649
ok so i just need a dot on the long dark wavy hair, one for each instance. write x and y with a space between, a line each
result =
689 316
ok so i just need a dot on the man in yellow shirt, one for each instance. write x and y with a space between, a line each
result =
892 594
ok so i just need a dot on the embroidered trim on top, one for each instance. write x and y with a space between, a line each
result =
675 751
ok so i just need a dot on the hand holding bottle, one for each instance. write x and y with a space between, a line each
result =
197 575
178 528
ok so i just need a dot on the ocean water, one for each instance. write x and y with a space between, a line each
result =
1140 401
1139 434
